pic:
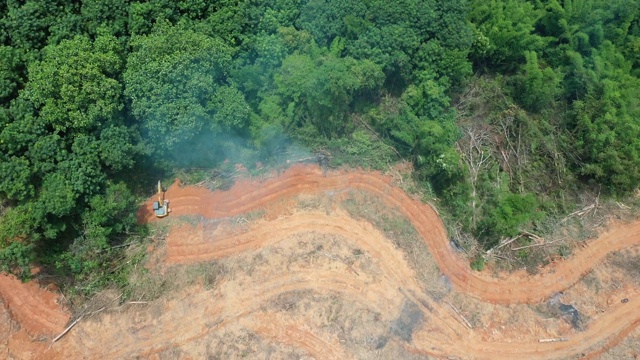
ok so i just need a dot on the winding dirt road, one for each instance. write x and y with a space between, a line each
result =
381 280
453 338
518 287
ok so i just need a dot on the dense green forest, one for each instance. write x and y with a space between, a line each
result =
507 108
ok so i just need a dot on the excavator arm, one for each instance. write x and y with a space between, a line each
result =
161 207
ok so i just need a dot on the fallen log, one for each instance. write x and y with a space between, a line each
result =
465 321
553 340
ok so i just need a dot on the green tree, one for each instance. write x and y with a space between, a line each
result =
325 19
75 87
504 30
28 23
394 35
144 14
62 139
537 88
319 90
111 15
175 80
11 73
107 215
33 24
507 217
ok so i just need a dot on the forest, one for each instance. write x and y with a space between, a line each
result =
507 109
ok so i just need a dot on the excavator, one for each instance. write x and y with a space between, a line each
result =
161 207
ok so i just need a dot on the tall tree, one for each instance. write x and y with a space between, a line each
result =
504 30
62 141
319 90
110 15
606 122
177 81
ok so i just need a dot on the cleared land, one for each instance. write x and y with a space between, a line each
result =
307 279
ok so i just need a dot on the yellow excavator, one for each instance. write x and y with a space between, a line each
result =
161 207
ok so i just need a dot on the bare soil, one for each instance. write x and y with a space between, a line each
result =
302 272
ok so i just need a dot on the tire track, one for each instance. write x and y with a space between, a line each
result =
34 308
513 288
607 330
288 332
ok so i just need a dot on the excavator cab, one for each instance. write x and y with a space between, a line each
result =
161 207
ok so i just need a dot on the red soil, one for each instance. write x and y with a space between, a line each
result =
37 312
34 308
518 287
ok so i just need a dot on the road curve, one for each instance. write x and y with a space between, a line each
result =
38 313
517 287
34 308
453 338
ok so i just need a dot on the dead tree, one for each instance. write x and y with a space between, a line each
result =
511 146
472 147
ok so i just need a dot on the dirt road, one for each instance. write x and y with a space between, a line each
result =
517 287
609 328
293 280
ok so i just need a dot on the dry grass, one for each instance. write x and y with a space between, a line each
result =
629 348
398 229
146 285
628 263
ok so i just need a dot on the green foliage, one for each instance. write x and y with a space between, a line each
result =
10 73
478 263
62 138
428 97
361 149
450 66
451 27
105 15
320 89
144 14
230 109
606 122
17 257
175 80
537 88
327 19
507 217
75 85
108 214
393 34
27 24
395 120
503 31
578 57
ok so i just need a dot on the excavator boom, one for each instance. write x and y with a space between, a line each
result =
161 207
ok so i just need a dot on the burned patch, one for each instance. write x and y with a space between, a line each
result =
573 315
410 317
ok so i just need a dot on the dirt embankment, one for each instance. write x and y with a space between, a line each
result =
35 309
29 315
274 262
518 287
190 244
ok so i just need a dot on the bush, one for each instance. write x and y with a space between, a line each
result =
508 215
478 263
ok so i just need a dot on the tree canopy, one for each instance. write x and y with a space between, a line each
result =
482 97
